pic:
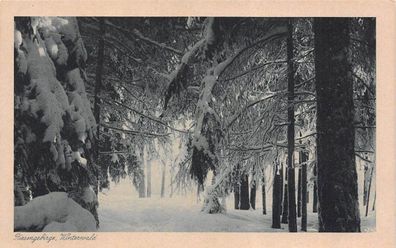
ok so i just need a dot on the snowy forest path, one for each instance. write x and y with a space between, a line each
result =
121 210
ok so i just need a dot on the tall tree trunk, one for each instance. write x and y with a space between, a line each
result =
282 174
337 177
163 180
290 132
285 202
236 195
304 194
263 195
253 194
299 190
276 199
368 191
365 184
285 212
237 188
244 196
315 191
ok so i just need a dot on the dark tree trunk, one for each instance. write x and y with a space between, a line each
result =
304 193
284 201
276 200
290 132
244 193
281 188
236 196
337 177
368 191
315 192
237 186
285 212
263 196
365 185
375 194
253 195
299 191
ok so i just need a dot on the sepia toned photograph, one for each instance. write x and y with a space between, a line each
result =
194 124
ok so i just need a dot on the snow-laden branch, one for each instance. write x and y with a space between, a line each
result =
111 41
251 104
211 80
177 75
254 69
137 34
266 147
271 35
114 152
306 136
304 82
109 101
302 92
133 132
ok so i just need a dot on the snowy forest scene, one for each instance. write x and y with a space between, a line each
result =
194 124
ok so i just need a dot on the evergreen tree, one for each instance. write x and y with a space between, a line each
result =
54 125
337 177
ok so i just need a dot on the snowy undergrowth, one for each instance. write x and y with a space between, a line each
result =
54 212
121 210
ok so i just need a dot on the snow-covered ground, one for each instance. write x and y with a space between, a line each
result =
121 210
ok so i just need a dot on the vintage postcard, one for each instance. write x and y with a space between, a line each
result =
215 124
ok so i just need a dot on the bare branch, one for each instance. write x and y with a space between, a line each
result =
362 158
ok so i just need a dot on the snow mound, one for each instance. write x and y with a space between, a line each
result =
54 212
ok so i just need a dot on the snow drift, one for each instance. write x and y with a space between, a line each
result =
54 212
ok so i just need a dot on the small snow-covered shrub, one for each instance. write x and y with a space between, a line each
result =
212 204
54 212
